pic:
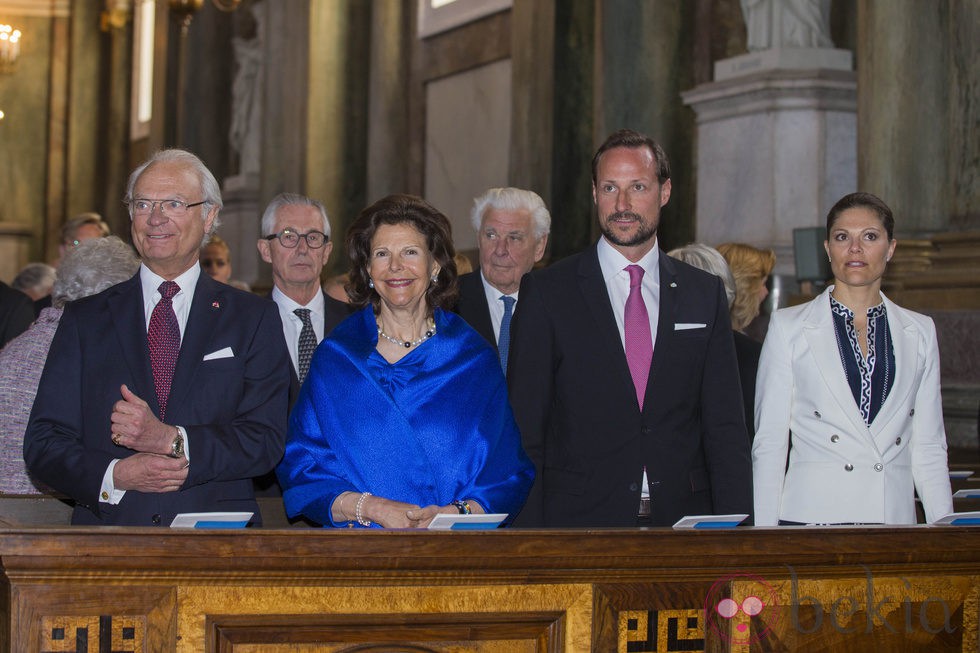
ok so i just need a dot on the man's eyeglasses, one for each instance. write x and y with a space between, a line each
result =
172 208
290 239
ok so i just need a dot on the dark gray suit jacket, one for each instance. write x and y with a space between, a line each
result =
576 406
232 407
472 305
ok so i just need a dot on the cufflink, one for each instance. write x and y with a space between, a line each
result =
105 495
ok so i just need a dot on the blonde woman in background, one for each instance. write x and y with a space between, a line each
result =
751 268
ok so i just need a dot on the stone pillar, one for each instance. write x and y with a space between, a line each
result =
903 65
776 147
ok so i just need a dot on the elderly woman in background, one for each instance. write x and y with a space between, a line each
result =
746 350
88 268
849 386
404 413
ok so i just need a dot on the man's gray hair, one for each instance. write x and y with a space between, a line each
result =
287 199
513 199
92 267
210 189
34 276
710 260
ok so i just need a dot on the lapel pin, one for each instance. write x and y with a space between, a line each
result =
673 284
215 305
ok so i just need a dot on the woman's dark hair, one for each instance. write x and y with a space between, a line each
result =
414 211
865 201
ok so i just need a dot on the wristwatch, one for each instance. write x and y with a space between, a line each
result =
177 447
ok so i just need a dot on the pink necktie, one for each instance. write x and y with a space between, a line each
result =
639 344
163 337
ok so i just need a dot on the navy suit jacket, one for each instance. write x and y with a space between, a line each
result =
472 305
576 406
233 408
334 312
16 313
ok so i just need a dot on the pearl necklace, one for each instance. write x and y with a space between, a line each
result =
408 344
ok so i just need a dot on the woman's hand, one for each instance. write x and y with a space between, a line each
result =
389 513
424 516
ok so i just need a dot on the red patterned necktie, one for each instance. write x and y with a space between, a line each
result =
639 343
163 337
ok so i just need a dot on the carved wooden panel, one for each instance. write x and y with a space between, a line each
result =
498 632
93 618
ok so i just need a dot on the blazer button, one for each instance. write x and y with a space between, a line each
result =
898 440
834 438
155 519
911 412
634 487
816 414
848 467
879 467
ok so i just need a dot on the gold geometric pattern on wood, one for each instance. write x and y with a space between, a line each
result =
91 634
655 631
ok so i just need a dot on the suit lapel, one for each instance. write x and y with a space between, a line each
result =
206 308
818 330
665 323
607 336
129 322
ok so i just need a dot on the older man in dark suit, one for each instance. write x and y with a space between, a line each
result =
513 226
166 393
622 372
296 241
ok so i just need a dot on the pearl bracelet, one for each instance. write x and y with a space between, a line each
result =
358 515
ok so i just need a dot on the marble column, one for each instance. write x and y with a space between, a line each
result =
903 66
776 148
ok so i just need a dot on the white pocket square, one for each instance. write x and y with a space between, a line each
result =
221 353
684 326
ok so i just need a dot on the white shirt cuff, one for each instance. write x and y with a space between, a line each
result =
109 494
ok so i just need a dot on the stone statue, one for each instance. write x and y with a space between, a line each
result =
787 23
245 133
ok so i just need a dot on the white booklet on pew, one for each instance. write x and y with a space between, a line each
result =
710 521
967 493
961 519
211 520
474 522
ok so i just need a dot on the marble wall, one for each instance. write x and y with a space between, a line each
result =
467 142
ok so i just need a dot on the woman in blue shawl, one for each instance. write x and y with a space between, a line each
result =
404 413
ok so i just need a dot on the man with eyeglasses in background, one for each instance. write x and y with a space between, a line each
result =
166 393
296 241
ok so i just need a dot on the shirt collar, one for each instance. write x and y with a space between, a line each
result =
612 261
316 305
151 281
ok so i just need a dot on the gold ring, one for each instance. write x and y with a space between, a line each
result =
115 438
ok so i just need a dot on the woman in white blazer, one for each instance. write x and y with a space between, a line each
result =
848 384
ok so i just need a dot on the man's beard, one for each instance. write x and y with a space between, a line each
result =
644 234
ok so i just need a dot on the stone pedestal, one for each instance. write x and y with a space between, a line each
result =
240 226
777 147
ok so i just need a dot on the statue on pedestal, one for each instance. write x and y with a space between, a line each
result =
245 133
787 23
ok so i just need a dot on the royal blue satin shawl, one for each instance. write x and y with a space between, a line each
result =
434 427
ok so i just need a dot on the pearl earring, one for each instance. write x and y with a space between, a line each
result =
370 283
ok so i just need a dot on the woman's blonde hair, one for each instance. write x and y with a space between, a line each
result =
750 266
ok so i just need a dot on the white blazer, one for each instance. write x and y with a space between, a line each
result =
840 470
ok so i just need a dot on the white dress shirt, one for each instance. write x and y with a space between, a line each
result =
292 325
150 282
496 305
613 265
